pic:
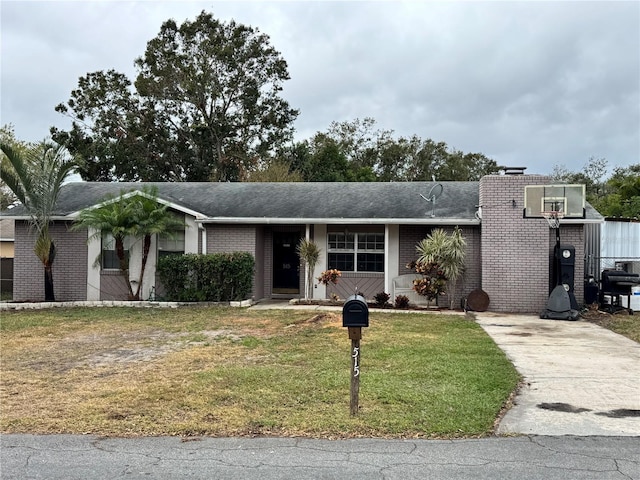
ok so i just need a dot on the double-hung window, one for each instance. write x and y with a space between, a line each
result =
109 257
356 252
171 244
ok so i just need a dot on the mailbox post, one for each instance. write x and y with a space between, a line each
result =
355 315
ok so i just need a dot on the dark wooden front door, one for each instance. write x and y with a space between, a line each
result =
286 263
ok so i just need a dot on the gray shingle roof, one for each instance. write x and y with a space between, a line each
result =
291 201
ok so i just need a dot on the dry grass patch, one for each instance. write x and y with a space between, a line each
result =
218 371
620 322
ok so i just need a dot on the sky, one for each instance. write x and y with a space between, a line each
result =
535 84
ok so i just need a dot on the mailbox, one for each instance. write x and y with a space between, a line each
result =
355 312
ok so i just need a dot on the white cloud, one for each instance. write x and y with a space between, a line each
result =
528 83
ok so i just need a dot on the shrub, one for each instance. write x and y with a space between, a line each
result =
433 283
330 276
402 301
381 299
219 277
441 260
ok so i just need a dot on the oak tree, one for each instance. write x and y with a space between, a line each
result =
206 105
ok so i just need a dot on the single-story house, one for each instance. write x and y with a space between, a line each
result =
369 231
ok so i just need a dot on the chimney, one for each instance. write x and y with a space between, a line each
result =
513 170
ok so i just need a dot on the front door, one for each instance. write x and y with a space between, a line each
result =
286 263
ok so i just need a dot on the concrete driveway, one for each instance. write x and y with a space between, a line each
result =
579 378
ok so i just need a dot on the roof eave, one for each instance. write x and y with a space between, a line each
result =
339 221
159 199
579 221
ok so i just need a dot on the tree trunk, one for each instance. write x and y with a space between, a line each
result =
146 246
49 295
124 265
48 284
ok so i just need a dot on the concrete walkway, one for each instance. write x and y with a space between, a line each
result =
579 378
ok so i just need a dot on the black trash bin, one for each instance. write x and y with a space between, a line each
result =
590 291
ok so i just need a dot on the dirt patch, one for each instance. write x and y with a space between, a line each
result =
602 318
162 343
128 355
323 318
110 349
217 334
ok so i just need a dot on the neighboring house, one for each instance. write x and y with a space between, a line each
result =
614 244
6 255
369 231
7 232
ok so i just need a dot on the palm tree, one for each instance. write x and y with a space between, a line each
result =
115 217
36 179
151 218
309 254
446 251
136 215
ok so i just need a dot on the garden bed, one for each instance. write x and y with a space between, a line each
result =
339 303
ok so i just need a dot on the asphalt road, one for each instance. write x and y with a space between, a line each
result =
526 457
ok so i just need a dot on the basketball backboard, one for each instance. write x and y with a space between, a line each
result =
568 199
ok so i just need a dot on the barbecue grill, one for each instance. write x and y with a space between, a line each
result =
616 284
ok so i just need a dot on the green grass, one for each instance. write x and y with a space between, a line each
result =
628 326
220 371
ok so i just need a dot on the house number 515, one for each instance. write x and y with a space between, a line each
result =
356 365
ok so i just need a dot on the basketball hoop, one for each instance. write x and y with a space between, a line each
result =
553 218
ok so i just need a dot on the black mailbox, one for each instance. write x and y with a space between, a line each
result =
355 312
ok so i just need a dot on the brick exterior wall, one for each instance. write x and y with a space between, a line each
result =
234 238
515 250
573 235
69 266
231 238
410 235
472 276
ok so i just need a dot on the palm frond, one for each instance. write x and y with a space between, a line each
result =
16 173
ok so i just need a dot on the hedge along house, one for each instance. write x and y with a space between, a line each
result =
369 231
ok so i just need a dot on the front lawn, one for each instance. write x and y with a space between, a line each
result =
220 372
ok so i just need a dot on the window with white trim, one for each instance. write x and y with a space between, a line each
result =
109 257
356 252
171 244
